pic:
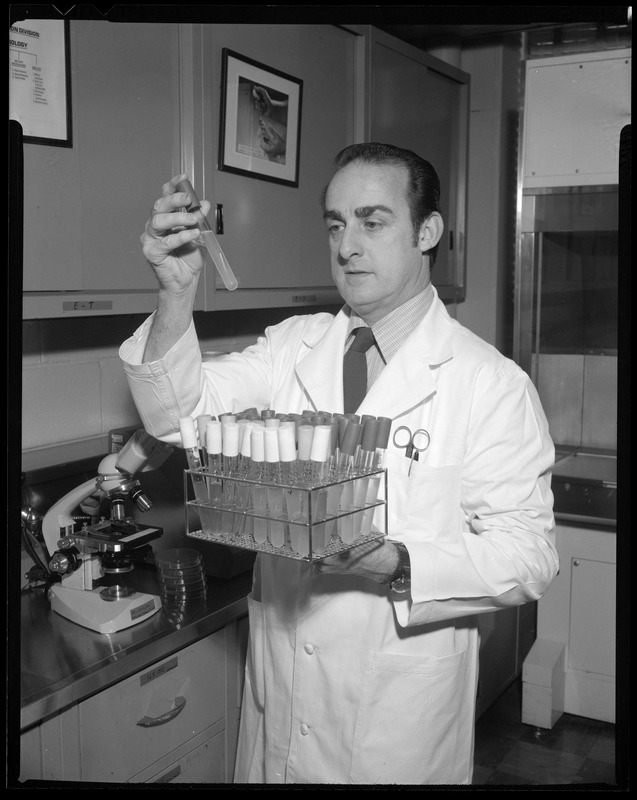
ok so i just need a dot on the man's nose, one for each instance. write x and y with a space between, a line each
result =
350 244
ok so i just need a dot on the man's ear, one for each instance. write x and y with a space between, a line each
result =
430 232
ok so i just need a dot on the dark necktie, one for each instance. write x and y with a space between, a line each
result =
355 369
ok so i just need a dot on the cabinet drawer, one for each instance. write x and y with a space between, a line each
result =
140 720
202 764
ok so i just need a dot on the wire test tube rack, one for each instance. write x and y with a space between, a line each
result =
303 522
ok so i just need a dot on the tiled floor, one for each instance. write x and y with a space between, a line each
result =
577 751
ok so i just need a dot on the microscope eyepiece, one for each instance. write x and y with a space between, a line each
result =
141 501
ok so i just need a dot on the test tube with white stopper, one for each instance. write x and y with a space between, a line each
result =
320 452
242 494
208 237
276 528
259 491
293 475
305 435
286 434
215 467
319 460
257 452
287 454
230 455
214 447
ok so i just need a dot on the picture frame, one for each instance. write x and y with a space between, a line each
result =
40 81
260 120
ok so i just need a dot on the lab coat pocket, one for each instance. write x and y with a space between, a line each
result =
424 501
409 719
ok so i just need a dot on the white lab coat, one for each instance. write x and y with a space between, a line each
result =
346 683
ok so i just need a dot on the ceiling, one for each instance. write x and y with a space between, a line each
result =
480 21
415 34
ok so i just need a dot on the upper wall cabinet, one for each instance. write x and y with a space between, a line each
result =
85 207
147 104
421 103
565 96
273 234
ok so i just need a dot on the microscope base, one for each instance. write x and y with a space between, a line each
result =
91 610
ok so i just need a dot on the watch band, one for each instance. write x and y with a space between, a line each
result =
400 580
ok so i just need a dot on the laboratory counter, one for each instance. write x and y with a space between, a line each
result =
63 663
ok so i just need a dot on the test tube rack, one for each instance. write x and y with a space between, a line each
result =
306 523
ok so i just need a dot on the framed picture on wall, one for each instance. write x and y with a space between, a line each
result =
260 120
40 81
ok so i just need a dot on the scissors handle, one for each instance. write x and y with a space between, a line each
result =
420 440
402 437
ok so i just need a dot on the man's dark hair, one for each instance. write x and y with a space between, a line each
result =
423 183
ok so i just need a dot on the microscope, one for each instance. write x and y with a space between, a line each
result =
112 546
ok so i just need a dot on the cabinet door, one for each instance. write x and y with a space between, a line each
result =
274 236
85 207
422 104
591 640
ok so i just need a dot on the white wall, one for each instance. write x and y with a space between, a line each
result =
74 389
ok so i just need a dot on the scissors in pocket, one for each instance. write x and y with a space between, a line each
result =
414 443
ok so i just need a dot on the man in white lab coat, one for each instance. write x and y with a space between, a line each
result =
363 670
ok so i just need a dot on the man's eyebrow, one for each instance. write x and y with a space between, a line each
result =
327 214
367 211
361 213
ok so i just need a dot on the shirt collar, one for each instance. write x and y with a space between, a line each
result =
392 330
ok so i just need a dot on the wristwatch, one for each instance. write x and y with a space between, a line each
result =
400 580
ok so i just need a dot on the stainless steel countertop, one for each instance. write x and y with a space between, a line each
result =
63 663
585 485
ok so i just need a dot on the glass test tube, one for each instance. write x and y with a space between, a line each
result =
242 492
373 486
343 493
289 475
382 440
259 491
305 434
276 528
208 238
365 461
202 421
319 459
230 453
191 446
215 466
297 535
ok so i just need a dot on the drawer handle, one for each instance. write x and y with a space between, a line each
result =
151 722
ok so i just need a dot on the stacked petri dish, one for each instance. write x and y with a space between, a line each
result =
181 575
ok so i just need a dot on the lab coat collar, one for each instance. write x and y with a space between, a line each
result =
403 384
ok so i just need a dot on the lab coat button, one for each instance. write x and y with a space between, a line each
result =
309 649
305 729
